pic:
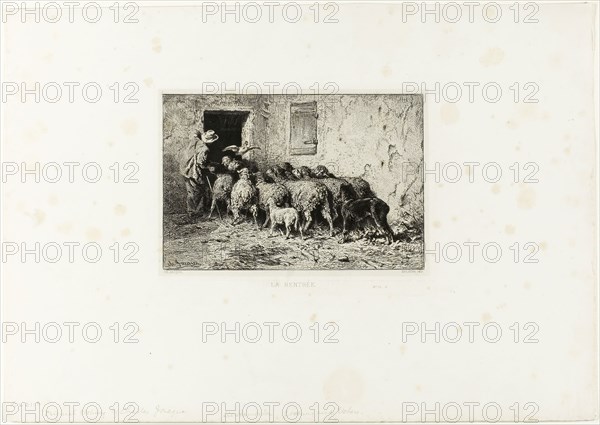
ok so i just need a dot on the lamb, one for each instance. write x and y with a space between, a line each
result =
360 209
306 196
244 197
360 187
288 217
339 189
270 191
221 192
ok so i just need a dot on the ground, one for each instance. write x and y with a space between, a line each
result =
218 245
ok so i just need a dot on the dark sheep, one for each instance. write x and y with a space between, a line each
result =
360 209
360 187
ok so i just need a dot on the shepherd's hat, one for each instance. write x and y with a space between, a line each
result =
208 136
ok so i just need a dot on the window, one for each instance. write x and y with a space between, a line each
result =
303 128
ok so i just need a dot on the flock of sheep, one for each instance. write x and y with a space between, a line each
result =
291 197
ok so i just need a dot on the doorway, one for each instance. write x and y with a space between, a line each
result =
228 125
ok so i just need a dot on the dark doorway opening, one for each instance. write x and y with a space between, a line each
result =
228 125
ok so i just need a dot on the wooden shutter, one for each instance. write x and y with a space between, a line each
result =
303 128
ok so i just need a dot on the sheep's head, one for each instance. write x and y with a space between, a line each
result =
260 177
235 165
244 174
304 172
272 174
287 167
226 161
321 171
289 175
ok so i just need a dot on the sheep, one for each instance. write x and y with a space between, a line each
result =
321 171
306 196
283 171
226 161
289 217
221 192
301 172
266 191
287 171
360 186
235 165
340 190
359 209
244 197
287 167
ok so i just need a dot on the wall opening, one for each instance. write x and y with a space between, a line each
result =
229 127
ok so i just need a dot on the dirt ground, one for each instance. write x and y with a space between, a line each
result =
218 245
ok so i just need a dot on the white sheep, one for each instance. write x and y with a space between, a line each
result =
306 196
288 217
244 197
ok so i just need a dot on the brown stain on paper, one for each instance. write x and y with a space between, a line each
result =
526 198
129 127
449 113
345 386
156 46
492 57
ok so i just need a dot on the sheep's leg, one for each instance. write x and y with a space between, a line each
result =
272 229
228 210
327 216
335 213
268 217
308 220
254 211
389 232
212 207
267 221
236 215
298 226
346 222
287 230
382 225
